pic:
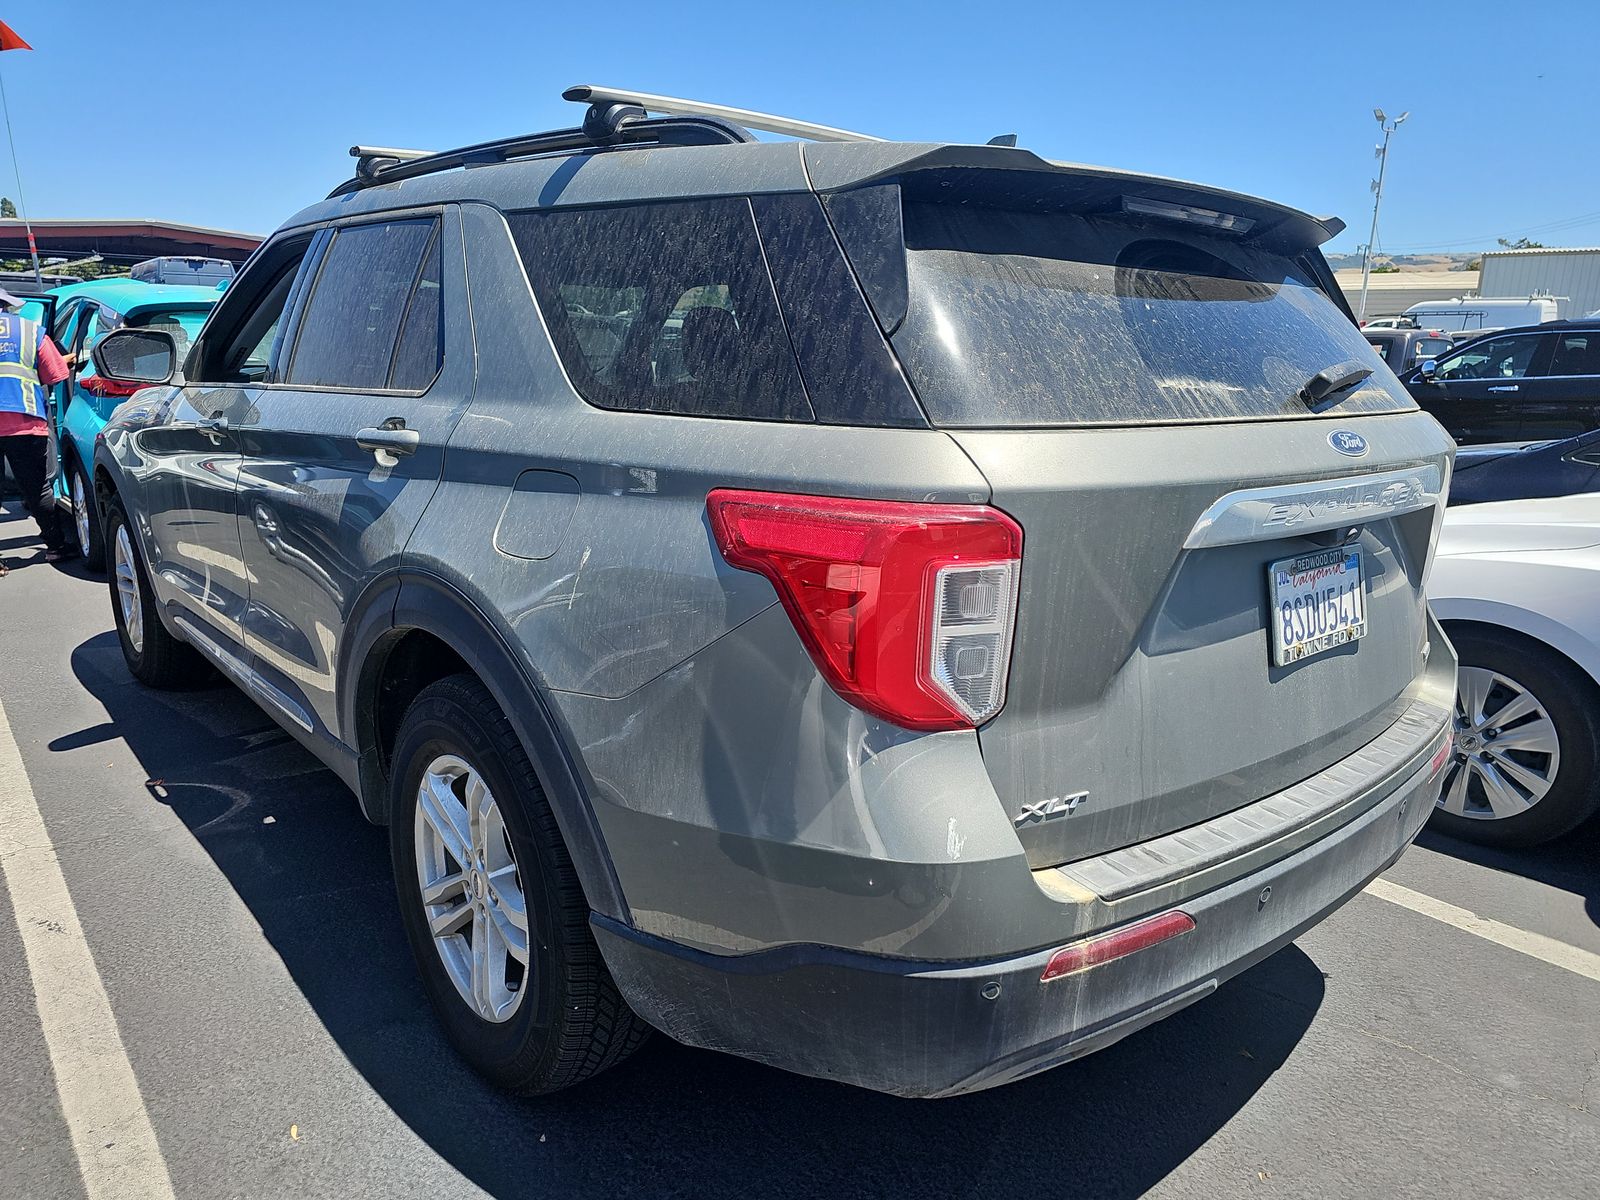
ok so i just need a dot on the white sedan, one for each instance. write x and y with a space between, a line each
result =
1517 586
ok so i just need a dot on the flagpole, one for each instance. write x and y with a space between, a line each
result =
22 202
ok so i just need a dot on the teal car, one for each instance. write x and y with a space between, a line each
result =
85 312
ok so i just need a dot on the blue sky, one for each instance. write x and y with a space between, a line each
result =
235 113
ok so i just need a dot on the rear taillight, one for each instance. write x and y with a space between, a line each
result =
906 609
107 388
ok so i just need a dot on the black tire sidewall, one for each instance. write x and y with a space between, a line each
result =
1569 697
516 1052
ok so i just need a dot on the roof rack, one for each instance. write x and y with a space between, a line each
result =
765 122
615 118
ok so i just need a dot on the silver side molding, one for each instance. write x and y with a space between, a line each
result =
1283 510
246 677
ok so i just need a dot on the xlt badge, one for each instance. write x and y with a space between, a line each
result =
1056 806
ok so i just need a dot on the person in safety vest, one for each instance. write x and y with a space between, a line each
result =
30 365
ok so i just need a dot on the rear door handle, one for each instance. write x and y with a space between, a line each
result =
392 437
1510 387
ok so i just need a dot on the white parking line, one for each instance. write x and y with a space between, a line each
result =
1534 945
116 1147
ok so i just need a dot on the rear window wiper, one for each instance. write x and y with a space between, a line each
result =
1330 381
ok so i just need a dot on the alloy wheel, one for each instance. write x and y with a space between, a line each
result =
1507 750
128 591
471 888
80 513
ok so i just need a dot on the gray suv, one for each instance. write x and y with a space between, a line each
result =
910 614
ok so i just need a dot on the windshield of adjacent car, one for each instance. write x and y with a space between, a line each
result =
1039 319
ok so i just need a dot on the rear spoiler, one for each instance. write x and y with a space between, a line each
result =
1068 187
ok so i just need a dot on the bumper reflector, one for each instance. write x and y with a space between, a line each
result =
1441 756
1119 943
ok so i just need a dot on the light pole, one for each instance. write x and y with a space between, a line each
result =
1377 199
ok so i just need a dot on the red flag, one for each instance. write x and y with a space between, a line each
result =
9 39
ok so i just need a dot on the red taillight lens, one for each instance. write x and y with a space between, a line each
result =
906 609
1119 943
107 388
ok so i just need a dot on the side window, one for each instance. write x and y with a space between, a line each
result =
65 325
1577 354
1385 348
238 343
350 329
1497 358
420 352
663 308
100 322
1427 348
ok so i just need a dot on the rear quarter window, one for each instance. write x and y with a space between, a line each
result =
663 308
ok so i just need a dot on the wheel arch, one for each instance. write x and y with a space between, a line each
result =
105 473
1494 617
411 628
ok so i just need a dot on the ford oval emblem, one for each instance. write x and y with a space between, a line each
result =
1349 443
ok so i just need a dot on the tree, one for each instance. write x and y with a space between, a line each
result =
1521 243
7 209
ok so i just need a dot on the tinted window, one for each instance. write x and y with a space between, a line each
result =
237 345
663 308
1389 347
1496 358
849 372
1029 318
348 333
421 350
1577 354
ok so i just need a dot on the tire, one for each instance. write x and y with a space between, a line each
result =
85 518
531 1030
153 655
1560 757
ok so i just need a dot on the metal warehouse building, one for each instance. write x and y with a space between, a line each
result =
1392 292
1574 274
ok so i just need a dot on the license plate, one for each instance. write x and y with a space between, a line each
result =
1317 603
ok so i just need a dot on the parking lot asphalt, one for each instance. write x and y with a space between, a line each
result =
239 916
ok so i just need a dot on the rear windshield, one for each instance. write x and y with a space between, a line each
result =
1041 319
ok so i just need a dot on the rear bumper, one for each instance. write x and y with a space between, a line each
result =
938 1029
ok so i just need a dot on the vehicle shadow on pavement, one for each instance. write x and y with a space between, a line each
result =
1571 863
671 1121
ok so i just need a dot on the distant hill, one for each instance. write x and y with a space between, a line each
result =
1406 262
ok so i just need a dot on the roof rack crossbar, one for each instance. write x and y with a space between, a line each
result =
615 118
765 122
388 152
615 125
372 159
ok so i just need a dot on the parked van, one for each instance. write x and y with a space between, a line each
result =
197 272
1482 314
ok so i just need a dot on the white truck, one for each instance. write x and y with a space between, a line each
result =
1482 314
